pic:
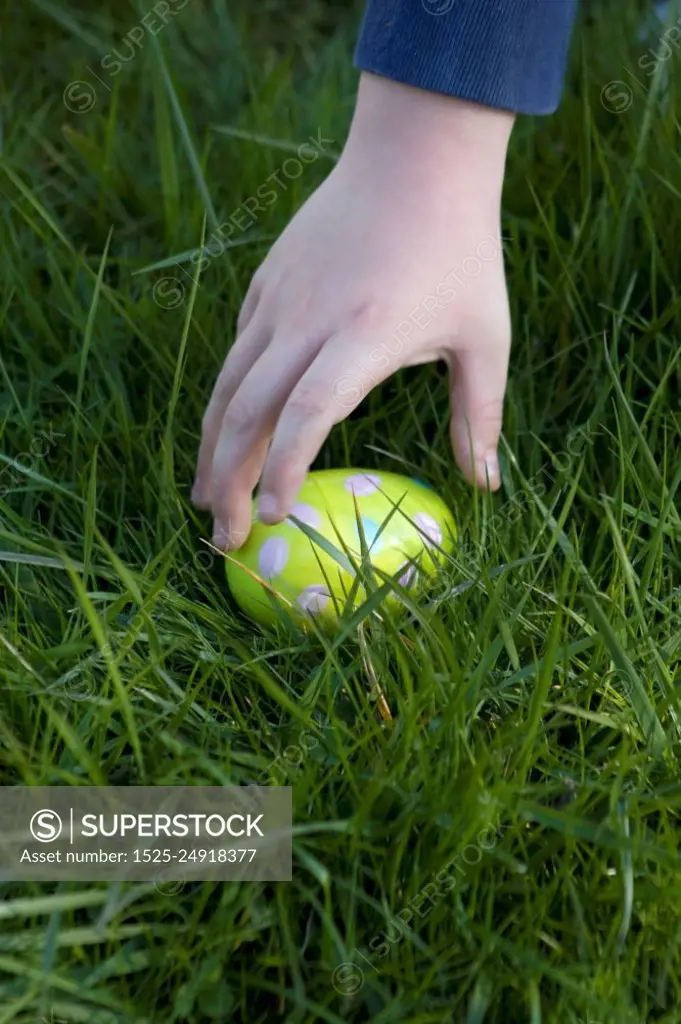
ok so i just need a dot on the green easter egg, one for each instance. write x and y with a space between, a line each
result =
283 561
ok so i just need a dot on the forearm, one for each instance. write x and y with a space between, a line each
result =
509 54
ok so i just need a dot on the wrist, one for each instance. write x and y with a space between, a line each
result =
427 138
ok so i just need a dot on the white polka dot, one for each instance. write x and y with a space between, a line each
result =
407 578
362 484
307 514
314 598
272 557
430 527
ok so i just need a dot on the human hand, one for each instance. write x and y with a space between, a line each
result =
395 260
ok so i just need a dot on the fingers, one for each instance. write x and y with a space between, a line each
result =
478 384
246 431
243 355
312 409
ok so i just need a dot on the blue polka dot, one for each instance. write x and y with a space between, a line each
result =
371 528
422 483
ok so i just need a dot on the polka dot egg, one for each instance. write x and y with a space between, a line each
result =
407 529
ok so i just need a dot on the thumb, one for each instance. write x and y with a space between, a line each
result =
478 384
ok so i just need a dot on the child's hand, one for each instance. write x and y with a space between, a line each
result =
394 260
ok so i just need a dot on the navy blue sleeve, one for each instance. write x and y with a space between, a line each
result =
503 53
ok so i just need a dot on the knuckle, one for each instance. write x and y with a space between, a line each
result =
283 475
368 313
306 403
491 413
239 416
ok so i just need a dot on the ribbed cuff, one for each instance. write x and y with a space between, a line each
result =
502 53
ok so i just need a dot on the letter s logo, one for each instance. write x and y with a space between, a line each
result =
45 826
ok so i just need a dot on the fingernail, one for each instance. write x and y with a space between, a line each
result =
220 537
492 469
268 508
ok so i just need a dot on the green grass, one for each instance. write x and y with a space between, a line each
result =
534 697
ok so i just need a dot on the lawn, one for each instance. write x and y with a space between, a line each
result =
495 839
